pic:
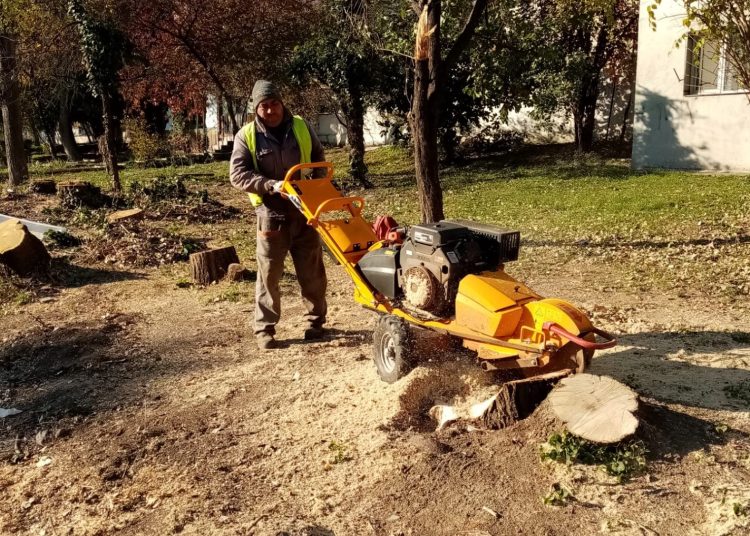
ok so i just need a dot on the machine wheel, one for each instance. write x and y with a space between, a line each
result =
392 349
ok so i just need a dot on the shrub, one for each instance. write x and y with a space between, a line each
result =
144 145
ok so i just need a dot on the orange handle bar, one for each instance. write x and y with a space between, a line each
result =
339 203
609 340
312 165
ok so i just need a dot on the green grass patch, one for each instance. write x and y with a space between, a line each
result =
568 198
131 173
622 461
549 195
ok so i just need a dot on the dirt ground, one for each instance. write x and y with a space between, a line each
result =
147 409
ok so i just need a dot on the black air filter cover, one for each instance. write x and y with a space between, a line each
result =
499 245
438 234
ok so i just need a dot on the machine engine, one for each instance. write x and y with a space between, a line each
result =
425 270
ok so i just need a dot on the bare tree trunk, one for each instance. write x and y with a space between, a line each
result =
10 95
65 126
35 137
109 153
431 74
354 109
52 143
586 120
611 108
586 105
626 117
448 142
232 116
220 118
424 132
424 113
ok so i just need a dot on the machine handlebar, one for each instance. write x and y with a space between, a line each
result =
312 165
609 339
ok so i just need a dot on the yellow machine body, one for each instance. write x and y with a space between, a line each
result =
499 317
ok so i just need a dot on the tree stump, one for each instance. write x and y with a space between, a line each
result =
20 250
129 214
237 272
77 194
43 186
596 408
517 400
211 265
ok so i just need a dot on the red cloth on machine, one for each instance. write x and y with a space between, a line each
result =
382 225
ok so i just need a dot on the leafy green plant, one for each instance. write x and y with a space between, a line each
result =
90 218
339 450
62 239
158 189
558 496
622 461
189 246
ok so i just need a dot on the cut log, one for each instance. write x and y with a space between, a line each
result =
43 186
80 194
237 272
516 400
20 250
129 214
596 408
211 265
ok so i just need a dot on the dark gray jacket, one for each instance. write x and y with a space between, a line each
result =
275 157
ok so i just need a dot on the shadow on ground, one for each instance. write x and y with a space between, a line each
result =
344 338
668 433
60 375
68 275
704 369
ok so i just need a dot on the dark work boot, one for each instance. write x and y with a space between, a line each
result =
266 341
314 333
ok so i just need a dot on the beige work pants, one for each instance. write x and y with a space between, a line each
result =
275 240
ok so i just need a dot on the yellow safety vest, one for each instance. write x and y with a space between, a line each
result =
304 141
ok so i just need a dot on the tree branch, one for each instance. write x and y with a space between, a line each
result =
463 39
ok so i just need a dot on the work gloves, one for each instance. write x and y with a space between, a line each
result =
276 189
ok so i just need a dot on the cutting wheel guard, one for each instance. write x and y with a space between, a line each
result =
609 339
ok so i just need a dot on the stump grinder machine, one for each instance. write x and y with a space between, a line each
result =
447 277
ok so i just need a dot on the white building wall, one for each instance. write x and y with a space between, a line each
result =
331 131
674 130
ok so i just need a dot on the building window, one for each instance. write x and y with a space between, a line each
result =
707 70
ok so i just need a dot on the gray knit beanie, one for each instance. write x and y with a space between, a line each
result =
262 90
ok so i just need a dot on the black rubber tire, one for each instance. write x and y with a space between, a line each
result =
392 348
